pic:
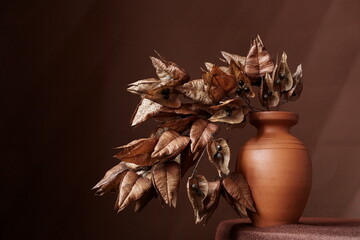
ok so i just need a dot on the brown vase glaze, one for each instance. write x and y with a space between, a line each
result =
277 168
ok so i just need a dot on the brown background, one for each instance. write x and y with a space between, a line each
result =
64 66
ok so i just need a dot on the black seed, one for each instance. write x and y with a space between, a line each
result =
281 75
241 83
257 83
269 93
238 91
294 94
165 91
166 96
219 147
246 89
219 156
265 96
194 186
228 112
278 81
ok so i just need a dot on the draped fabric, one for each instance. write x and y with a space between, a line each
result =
64 67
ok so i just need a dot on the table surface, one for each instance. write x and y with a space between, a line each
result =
307 228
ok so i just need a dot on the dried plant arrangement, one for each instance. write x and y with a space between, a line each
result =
190 113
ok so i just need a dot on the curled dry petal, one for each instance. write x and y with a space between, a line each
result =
170 144
268 96
201 133
296 90
197 189
196 90
111 180
237 188
166 180
132 188
258 61
145 110
230 115
138 152
219 155
284 74
239 60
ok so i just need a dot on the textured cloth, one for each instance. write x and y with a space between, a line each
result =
307 228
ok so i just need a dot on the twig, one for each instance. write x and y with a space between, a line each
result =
197 164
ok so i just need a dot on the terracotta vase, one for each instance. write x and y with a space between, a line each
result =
277 168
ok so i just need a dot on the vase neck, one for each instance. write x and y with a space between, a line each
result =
273 123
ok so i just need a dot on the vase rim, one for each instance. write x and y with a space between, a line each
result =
274 115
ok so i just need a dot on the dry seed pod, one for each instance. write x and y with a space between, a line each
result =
211 201
166 180
267 94
219 155
284 74
258 61
244 88
296 90
209 67
230 116
201 133
197 189
178 125
145 199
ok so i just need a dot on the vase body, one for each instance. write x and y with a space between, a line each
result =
277 168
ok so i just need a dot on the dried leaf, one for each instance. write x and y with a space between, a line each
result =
211 201
163 95
145 110
178 125
219 155
197 189
220 83
170 144
230 103
166 180
201 133
131 189
196 90
284 74
239 209
258 61
209 67
111 180
145 199
237 187
143 85
168 72
296 90
239 60
268 96
230 115
138 152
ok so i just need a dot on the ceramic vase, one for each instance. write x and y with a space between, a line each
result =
277 168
